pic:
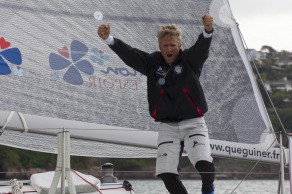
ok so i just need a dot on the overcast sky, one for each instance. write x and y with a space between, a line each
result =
264 22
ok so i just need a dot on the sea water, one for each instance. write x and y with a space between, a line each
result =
221 186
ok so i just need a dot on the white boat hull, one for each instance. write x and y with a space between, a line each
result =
105 188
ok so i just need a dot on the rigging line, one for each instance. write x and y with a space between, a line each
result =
229 172
262 82
125 171
88 182
252 168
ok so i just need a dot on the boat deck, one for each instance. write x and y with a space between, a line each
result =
106 188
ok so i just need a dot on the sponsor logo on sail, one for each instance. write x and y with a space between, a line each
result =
9 57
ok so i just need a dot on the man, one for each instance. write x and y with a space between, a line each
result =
176 100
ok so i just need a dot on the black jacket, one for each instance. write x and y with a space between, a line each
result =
182 96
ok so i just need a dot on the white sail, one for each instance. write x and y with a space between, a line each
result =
60 75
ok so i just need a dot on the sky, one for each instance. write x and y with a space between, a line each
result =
264 22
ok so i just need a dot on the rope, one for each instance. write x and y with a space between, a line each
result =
87 181
16 186
23 122
252 168
126 184
6 122
8 119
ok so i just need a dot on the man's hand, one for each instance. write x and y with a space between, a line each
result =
103 31
208 23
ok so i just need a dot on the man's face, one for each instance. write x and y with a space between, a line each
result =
169 47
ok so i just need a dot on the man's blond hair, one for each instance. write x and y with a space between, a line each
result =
169 30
